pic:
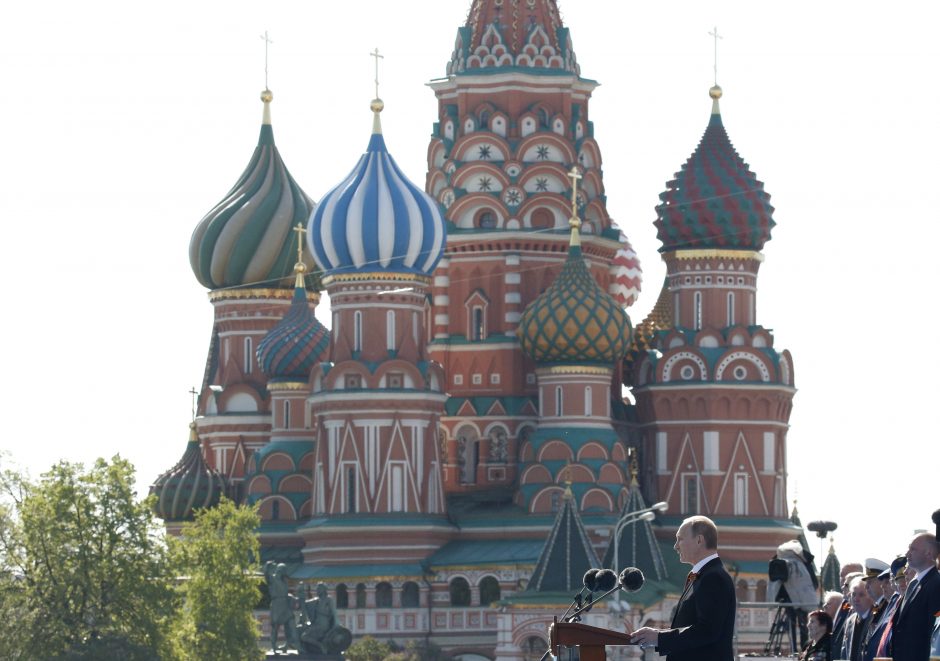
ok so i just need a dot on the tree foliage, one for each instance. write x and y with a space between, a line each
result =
217 555
84 568
368 648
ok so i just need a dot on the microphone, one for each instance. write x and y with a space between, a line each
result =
589 581
604 581
631 579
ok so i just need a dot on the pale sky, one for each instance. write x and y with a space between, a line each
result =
126 123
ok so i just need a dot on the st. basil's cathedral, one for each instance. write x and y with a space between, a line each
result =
456 450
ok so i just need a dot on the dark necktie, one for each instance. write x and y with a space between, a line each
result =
908 594
857 638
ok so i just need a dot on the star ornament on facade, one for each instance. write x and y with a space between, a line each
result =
542 152
486 184
484 152
541 184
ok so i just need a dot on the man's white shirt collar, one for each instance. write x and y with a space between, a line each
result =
704 561
922 573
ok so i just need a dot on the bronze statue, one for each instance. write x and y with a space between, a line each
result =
282 613
320 634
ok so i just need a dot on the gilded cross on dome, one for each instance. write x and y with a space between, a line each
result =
192 391
575 175
299 268
267 42
377 56
715 34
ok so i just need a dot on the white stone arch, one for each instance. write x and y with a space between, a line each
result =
683 355
747 356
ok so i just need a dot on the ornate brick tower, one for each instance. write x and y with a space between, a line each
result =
377 404
715 396
243 251
513 118
575 332
279 475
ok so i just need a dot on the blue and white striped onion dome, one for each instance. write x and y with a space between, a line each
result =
376 220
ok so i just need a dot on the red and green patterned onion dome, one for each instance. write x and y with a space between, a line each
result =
574 320
626 276
715 201
299 341
246 239
188 486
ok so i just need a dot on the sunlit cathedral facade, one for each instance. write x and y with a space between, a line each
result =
456 450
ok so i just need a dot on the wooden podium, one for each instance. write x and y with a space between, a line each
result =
590 639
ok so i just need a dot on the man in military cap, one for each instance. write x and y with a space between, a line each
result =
874 569
879 644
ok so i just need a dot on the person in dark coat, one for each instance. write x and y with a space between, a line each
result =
703 624
858 623
915 615
819 626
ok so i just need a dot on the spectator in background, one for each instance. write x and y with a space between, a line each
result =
838 626
832 602
819 648
858 623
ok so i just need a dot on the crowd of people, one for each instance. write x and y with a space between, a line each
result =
884 611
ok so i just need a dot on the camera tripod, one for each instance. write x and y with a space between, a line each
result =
784 626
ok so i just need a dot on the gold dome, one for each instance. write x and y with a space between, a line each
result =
715 92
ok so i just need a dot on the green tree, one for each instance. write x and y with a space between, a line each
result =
82 566
368 648
217 556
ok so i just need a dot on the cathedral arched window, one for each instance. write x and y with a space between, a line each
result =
275 510
360 595
410 595
390 330
459 592
286 414
357 331
731 308
383 595
588 401
351 490
697 311
477 327
542 219
559 401
486 219
248 355
489 590
342 596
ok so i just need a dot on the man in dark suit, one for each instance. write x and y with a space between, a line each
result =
858 624
703 624
915 615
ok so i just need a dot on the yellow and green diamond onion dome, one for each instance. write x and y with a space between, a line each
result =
246 239
188 486
574 321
